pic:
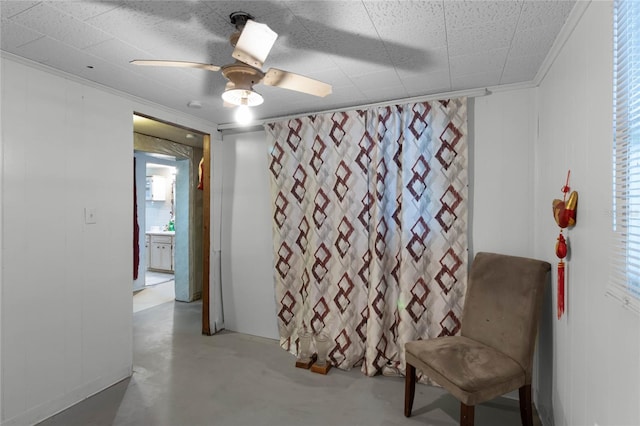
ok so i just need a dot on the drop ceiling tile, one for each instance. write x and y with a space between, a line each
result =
312 103
174 98
377 79
143 36
422 84
534 40
188 37
125 23
116 52
278 94
545 13
474 81
521 68
70 60
435 60
407 61
41 50
112 76
83 9
10 8
385 93
13 35
60 26
362 61
391 17
460 14
357 67
350 34
468 40
194 81
483 62
168 12
193 41
199 24
326 17
275 109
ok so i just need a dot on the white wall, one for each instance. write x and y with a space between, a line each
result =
593 368
66 313
502 130
247 243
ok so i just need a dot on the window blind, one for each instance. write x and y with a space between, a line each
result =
625 278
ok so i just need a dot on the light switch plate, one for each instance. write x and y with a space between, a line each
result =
90 216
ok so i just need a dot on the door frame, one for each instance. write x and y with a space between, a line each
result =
206 238
206 217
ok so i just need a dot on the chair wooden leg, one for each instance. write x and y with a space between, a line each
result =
526 410
466 414
409 389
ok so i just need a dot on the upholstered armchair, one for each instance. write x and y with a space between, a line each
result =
493 354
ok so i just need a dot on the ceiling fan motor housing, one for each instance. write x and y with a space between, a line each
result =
242 75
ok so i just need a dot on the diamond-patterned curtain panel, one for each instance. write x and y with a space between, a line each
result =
370 229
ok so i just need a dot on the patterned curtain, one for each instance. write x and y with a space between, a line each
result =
370 228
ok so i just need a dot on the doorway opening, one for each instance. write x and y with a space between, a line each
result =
171 239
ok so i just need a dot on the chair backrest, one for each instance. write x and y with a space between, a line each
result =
503 302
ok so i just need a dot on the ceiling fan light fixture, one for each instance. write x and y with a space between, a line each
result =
238 97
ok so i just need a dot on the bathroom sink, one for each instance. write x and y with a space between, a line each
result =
161 232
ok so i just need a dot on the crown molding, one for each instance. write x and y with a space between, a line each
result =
567 29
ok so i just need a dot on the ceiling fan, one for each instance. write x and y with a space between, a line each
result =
252 43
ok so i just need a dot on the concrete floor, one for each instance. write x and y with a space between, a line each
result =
182 378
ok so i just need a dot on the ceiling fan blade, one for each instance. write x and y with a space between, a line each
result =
254 44
297 82
178 64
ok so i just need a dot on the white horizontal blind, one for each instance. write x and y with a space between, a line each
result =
625 282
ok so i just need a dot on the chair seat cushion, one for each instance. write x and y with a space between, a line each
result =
470 370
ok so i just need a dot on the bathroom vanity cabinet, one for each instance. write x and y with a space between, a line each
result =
161 246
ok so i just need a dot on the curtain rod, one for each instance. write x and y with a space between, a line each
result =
446 95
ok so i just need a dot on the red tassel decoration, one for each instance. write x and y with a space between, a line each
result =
560 289
561 252
565 214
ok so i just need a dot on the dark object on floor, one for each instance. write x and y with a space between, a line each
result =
494 353
307 364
